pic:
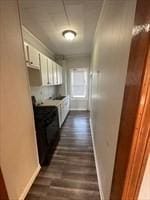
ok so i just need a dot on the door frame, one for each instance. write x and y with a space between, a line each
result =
128 146
3 191
141 141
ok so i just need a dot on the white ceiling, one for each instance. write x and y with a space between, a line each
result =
46 19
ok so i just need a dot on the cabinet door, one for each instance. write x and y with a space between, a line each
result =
33 57
62 112
55 77
59 116
59 74
50 72
44 74
26 53
66 105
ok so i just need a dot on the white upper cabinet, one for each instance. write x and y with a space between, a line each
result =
50 72
55 77
59 74
44 69
33 54
26 53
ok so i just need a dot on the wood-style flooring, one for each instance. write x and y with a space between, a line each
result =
71 174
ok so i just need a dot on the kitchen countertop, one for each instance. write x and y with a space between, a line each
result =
50 102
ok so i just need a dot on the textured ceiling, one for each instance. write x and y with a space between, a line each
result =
46 19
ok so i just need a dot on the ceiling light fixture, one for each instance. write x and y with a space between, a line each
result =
69 34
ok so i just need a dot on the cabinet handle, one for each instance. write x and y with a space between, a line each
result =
31 63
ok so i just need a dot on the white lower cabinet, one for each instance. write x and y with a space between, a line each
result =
64 109
59 115
66 105
62 113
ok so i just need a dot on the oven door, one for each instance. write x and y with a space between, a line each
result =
52 130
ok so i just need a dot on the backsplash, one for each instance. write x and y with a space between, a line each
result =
42 93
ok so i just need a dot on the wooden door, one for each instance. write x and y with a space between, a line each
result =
140 145
3 191
133 141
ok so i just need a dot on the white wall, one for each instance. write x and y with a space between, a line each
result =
41 93
145 187
109 64
77 62
18 149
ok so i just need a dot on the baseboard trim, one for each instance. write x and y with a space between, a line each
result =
29 184
96 163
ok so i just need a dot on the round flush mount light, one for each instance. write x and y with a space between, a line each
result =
69 34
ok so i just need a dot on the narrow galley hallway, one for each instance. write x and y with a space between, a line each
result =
71 174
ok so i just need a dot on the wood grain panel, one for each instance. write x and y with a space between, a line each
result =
140 145
3 191
132 97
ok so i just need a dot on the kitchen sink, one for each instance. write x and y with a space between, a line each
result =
59 98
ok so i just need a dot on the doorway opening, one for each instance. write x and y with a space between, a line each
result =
78 87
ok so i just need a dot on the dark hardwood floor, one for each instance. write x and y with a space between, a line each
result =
71 174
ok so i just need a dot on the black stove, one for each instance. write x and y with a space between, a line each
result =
47 130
